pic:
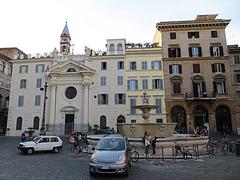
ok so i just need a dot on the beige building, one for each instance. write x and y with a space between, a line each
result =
196 74
234 53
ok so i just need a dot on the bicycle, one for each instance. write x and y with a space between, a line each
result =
134 154
185 151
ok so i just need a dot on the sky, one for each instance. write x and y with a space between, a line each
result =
35 26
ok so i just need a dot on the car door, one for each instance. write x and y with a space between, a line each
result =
43 144
54 142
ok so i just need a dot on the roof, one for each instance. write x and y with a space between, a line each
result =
65 30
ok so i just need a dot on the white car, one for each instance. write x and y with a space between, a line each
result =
41 143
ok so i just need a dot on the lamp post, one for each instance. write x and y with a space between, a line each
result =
43 129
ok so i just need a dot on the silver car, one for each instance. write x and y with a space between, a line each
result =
111 156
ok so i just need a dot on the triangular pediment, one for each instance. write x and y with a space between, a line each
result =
71 67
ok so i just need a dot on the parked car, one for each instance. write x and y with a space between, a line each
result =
111 156
41 143
103 131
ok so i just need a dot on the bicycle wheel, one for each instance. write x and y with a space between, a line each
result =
134 156
76 150
87 149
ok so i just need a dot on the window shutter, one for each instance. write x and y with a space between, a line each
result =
161 83
116 98
99 102
213 68
224 86
203 87
199 51
106 98
169 52
180 69
195 90
214 87
190 51
221 50
152 64
179 52
170 69
223 67
128 84
189 35
211 51
124 99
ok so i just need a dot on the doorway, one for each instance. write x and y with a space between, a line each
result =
200 115
223 119
69 123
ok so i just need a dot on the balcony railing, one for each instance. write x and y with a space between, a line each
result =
201 96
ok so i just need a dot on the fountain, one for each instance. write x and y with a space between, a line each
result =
136 130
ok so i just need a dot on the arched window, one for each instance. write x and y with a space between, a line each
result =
36 122
9 69
223 119
71 70
19 123
111 47
121 119
2 66
103 122
119 47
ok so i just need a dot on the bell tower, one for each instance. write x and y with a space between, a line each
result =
65 42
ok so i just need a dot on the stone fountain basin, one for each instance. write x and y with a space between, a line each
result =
136 130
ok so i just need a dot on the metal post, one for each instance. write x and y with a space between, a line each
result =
42 130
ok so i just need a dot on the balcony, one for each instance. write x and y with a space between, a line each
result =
205 96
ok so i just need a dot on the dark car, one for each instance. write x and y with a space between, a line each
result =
111 156
103 131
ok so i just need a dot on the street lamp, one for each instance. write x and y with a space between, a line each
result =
43 129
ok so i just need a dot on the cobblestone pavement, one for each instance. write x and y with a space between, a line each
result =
66 166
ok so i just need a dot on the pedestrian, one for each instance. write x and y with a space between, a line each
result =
147 143
144 136
23 136
154 140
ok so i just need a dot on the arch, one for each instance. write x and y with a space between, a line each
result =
10 69
178 115
223 119
200 117
36 123
119 47
121 119
19 123
103 122
2 66
111 47
71 70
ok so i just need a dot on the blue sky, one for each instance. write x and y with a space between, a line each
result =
34 26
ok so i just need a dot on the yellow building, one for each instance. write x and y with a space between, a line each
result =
144 72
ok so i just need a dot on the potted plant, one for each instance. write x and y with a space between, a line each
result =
30 131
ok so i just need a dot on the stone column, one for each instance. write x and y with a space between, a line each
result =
52 110
85 121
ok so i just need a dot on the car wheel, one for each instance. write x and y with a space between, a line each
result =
30 151
56 150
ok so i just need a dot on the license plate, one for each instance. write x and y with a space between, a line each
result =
104 167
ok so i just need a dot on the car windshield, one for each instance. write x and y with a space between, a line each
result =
111 144
36 139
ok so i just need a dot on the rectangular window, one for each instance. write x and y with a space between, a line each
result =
132 84
39 68
216 51
236 59
23 83
218 67
102 98
23 69
157 84
103 65
120 80
39 83
195 51
176 88
175 69
144 84
236 74
133 121
193 35
156 65
20 101
159 120
120 64
120 99
219 87
172 35
159 106
133 65
214 34
133 103
144 65
37 100
196 68
174 52
103 81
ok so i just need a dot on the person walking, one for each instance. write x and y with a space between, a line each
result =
24 137
147 143
154 140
